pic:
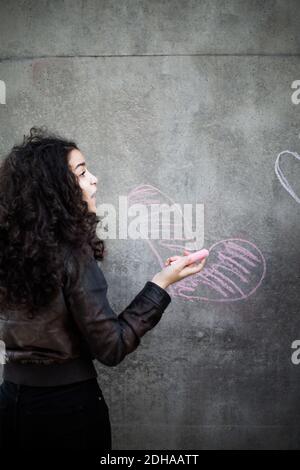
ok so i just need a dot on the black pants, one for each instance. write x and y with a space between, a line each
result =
73 416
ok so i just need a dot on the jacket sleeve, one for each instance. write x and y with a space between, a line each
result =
110 337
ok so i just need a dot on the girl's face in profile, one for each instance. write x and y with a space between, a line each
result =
87 181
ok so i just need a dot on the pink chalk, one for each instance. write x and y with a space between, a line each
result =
196 256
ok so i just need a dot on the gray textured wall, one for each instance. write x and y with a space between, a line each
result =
194 98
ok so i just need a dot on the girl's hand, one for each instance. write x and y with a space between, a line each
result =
174 258
181 268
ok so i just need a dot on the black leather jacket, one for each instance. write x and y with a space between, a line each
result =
58 344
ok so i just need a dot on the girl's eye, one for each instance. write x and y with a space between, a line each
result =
82 173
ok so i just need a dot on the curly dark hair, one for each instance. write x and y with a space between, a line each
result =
42 211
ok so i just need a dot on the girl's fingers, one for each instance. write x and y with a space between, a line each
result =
193 269
175 257
172 258
182 261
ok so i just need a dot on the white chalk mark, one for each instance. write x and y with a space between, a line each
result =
283 180
2 92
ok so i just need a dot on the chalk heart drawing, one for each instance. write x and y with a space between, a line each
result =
234 269
280 175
